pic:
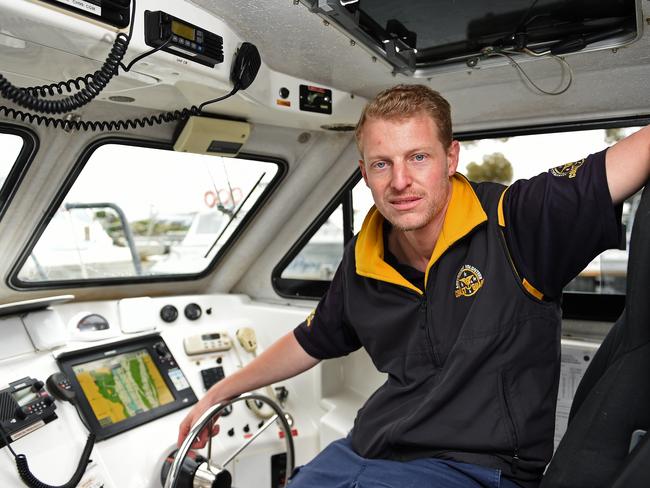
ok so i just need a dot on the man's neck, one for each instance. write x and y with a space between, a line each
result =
415 247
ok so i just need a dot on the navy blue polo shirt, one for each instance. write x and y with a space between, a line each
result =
554 225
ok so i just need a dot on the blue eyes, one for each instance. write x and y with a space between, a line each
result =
418 158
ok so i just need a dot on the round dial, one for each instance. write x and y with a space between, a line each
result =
169 313
192 311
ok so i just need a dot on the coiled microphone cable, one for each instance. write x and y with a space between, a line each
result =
87 87
112 125
94 84
33 482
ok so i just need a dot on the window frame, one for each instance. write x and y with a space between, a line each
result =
575 305
21 164
314 289
15 283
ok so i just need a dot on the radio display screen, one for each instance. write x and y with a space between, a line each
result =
25 395
122 386
183 30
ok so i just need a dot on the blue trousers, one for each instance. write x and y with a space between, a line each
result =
338 466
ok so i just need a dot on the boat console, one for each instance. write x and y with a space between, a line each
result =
131 390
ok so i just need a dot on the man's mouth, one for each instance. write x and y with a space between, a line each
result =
404 203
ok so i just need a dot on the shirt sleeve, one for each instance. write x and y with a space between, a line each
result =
557 222
325 334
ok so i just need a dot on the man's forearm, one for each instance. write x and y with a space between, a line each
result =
284 359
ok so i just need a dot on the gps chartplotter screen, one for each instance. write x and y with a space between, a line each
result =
122 386
125 384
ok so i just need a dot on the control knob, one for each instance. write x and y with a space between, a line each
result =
168 313
192 311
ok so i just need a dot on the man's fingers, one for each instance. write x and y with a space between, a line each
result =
214 430
182 432
200 441
202 438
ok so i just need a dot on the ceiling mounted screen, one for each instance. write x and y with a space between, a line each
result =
426 34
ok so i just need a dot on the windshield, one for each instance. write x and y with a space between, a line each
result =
144 212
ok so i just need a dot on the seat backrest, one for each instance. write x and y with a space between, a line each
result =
613 398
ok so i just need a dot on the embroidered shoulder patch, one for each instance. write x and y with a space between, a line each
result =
468 281
568 170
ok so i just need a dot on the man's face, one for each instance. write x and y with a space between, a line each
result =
407 169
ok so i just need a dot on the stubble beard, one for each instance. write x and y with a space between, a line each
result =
434 207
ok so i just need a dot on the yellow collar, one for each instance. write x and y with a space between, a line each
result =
464 213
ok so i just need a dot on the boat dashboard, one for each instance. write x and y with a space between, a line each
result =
138 358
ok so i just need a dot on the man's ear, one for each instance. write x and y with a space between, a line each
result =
362 168
452 157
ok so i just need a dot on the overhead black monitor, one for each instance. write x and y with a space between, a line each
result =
125 384
423 34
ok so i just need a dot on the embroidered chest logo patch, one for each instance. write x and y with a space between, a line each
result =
468 281
568 170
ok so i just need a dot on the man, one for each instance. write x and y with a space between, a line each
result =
453 288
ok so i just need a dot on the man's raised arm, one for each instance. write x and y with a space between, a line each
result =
628 165
284 359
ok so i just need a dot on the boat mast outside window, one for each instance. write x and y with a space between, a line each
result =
143 213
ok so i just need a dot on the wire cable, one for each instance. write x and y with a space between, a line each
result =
101 125
524 75
128 67
3 434
234 90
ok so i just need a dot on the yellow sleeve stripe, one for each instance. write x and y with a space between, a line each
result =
532 290
502 219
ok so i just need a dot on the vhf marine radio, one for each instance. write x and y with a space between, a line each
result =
24 407
114 12
182 38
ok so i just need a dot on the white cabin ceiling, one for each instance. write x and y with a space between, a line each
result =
293 40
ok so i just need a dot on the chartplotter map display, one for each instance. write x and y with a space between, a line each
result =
122 386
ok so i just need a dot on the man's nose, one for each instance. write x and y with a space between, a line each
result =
401 178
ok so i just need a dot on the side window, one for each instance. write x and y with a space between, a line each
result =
12 145
322 253
141 212
308 267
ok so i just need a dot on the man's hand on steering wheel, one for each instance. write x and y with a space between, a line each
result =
197 410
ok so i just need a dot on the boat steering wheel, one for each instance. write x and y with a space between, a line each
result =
210 474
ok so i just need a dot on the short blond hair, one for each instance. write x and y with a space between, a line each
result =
404 101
